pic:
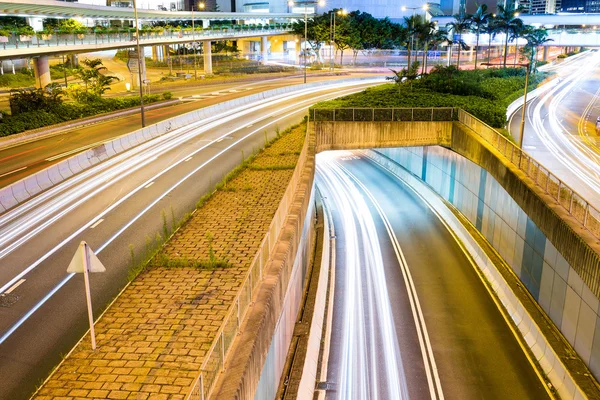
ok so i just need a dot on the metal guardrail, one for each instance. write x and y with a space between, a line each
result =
55 39
360 114
214 361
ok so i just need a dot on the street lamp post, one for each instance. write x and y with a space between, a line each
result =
306 3
139 57
201 7
412 28
522 130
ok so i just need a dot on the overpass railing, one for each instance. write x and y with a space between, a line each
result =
567 197
96 38
362 114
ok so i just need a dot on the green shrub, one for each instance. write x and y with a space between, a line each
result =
167 95
57 113
483 93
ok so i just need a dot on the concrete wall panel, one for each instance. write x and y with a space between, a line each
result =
31 185
7 199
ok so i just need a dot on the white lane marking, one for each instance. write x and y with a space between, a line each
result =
16 285
22 320
368 337
148 185
188 159
97 223
13 171
249 126
219 140
428 356
429 203
119 176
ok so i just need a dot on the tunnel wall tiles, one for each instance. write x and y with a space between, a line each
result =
542 269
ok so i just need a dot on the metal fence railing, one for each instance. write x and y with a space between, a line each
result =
214 361
359 114
15 41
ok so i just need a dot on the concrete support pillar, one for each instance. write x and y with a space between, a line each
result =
264 49
545 55
154 53
73 60
207 57
41 71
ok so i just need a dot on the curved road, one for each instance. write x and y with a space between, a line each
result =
411 317
113 205
560 125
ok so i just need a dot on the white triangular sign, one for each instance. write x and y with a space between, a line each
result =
76 265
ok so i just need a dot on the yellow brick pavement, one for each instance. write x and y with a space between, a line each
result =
153 339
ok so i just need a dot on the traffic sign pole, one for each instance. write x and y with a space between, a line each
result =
88 295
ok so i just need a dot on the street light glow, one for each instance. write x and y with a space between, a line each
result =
425 6
403 8
201 6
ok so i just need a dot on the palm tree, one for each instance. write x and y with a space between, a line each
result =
461 24
506 19
414 25
535 38
518 30
491 29
426 35
479 21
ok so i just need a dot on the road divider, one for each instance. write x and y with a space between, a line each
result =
21 191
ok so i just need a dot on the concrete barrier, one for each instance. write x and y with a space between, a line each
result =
543 352
7 199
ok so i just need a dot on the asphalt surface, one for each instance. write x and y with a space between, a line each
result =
20 161
113 205
560 125
411 316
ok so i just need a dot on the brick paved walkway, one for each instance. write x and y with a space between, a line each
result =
153 339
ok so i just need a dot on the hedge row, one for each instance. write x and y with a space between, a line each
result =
68 112
479 93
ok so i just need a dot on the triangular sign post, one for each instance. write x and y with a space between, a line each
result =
85 261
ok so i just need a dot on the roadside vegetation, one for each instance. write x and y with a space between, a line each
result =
37 108
257 183
485 93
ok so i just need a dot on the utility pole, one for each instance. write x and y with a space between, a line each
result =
140 55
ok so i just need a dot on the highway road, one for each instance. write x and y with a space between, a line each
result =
560 125
111 206
411 317
20 161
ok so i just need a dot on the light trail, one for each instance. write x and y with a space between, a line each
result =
371 363
581 160
145 184
22 220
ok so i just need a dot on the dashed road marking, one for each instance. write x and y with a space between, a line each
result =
148 185
97 223
13 171
16 285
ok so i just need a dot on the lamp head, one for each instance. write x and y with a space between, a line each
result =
201 6
403 8
290 3
425 6
321 3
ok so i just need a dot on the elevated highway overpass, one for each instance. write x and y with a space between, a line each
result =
40 46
